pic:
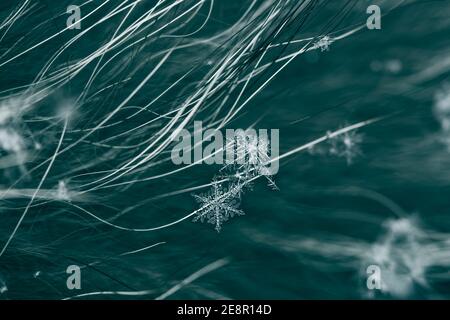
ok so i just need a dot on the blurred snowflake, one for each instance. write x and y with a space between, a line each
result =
11 141
442 106
346 145
441 112
323 43
62 192
219 204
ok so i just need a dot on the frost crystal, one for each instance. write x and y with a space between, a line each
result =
10 110
3 287
219 204
252 160
323 43
10 140
442 113
346 145
442 106
62 193
402 256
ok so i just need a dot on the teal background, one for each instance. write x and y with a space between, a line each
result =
305 241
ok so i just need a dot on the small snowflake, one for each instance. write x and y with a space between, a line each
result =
62 192
3 289
346 145
323 43
11 141
442 107
219 204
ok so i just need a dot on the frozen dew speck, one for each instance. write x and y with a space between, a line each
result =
3 287
442 107
441 110
323 43
390 66
62 191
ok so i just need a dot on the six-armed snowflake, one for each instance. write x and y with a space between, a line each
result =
346 145
219 204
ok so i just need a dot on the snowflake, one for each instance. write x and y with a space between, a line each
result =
399 254
252 160
346 145
62 192
238 178
219 204
3 289
10 140
323 43
263 160
10 110
442 107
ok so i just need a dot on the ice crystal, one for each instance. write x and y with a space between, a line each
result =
62 193
3 287
10 110
238 178
442 107
252 159
346 145
6 113
323 43
401 255
441 112
10 140
219 204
